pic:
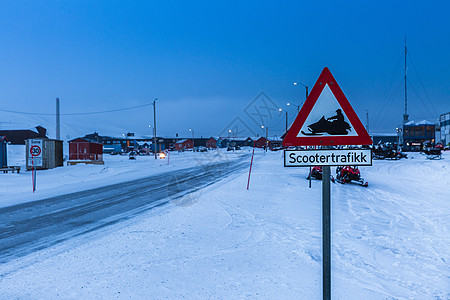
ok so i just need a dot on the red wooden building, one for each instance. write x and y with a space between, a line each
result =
211 143
184 144
85 151
261 143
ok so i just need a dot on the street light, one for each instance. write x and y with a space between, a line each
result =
305 86
155 142
280 109
267 141
298 106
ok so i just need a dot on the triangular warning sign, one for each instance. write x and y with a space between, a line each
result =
326 118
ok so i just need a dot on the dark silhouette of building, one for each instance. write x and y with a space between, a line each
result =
18 137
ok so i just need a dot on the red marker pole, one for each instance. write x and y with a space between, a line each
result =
251 163
33 175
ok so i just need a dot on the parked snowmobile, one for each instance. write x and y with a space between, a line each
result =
433 153
348 174
316 173
387 151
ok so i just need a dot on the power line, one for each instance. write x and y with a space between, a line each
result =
423 86
417 94
75 114
388 96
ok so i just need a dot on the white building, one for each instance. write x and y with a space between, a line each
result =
445 127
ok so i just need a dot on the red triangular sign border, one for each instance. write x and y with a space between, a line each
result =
362 137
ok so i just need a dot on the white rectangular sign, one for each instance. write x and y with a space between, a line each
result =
331 157
35 148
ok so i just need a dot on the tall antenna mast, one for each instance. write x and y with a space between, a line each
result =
405 115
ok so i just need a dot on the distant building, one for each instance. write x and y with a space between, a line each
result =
127 142
223 143
184 144
415 135
261 143
211 143
18 137
86 151
249 142
3 152
444 121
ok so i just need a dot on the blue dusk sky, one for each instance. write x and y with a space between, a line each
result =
212 64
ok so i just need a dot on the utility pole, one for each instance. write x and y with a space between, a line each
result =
405 115
306 89
58 121
367 121
286 122
267 136
155 142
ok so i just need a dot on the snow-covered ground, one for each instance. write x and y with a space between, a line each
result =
389 241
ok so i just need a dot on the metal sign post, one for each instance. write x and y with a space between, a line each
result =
326 233
325 158
36 154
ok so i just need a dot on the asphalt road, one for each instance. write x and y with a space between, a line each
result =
33 226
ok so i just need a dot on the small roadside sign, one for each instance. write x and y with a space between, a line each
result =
332 157
35 151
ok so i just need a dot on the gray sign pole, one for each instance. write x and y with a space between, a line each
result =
327 157
326 233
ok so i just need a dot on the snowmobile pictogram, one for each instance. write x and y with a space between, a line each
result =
348 174
334 125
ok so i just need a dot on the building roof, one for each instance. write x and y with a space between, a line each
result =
423 122
83 140
182 141
18 137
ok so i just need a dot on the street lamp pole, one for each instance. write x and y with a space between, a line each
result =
267 136
280 109
298 106
155 142
286 121
305 86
